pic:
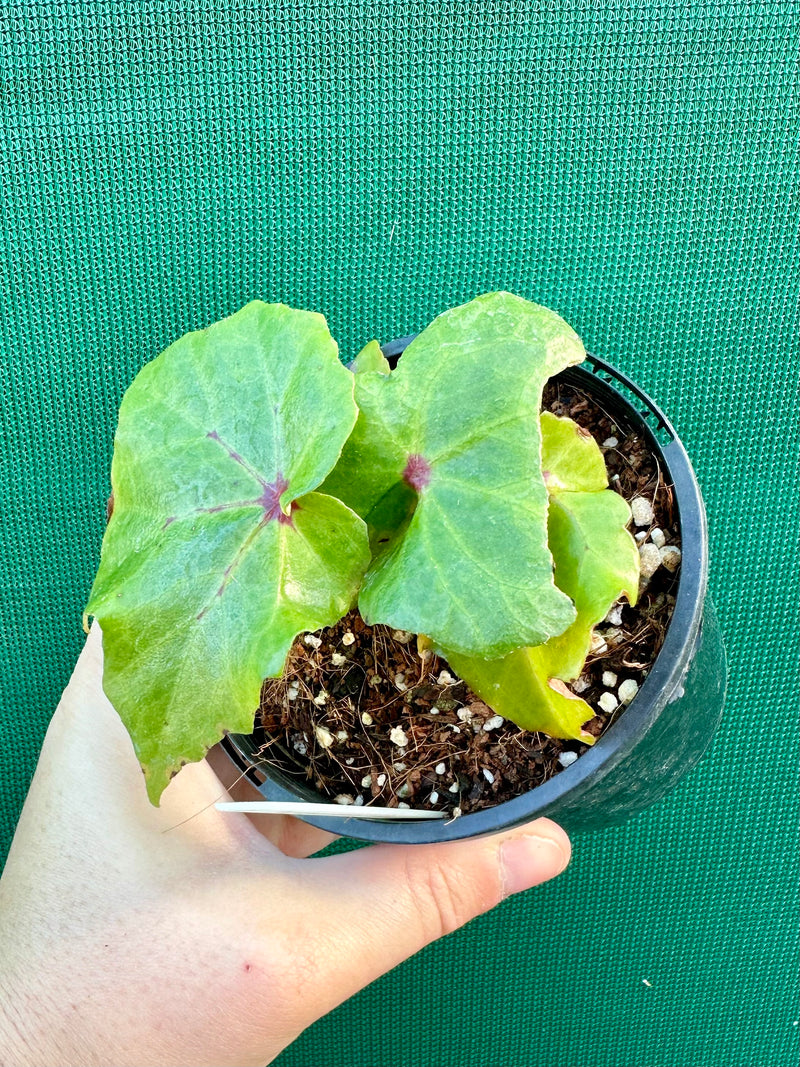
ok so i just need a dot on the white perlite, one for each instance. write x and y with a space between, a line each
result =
487 774
402 805
312 641
399 767
293 691
608 702
610 442
324 736
670 557
402 636
657 537
348 638
641 536
300 747
609 679
598 643
434 797
404 790
446 678
454 787
397 736
627 691
366 781
615 615
580 685
381 780
566 759
320 698
613 636
440 768
344 798
366 718
400 682
359 801
338 660
649 561
342 735
642 511
464 714
494 723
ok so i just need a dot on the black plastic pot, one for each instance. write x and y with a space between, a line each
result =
664 731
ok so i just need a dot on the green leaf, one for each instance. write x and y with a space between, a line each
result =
596 562
457 424
370 358
596 559
217 552
571 459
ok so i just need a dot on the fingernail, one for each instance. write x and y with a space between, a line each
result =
532 859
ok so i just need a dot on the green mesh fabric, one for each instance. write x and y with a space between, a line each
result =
628 162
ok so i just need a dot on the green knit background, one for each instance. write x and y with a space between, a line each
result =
630 163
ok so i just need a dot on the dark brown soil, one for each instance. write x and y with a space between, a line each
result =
366 716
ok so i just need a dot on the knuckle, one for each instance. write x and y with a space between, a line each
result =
443 896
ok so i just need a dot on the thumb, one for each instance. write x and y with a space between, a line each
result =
387 901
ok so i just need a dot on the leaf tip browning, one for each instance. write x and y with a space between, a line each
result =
563 690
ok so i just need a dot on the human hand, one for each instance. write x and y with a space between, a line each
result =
181 935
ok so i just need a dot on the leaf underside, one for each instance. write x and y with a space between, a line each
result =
444 465
596 562
219 552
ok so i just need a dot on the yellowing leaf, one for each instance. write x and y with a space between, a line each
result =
518 688
571 459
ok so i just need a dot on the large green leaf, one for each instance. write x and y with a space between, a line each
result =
448 447
596 562
218 552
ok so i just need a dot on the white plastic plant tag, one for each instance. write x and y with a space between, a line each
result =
334 811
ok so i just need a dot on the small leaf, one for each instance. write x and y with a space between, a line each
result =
370 358
457 424
596 562
217 554
571 459
596 559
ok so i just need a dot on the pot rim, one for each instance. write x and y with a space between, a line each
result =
662 685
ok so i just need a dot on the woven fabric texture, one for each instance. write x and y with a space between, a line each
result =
630 163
